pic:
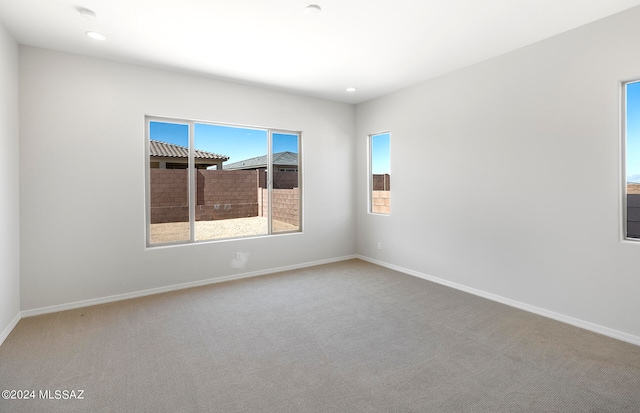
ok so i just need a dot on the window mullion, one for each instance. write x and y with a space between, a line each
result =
192 184
270 182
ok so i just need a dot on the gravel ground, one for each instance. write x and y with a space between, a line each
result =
221 229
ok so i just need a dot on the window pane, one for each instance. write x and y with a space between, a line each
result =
632 133
380 162
168 182
231 194
285 196
222 187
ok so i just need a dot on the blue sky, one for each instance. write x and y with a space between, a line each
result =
633 128
236 143
244 143
380 154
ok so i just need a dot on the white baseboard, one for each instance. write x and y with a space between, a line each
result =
606 331
142 293
5 333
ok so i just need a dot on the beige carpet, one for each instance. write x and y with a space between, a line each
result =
344 337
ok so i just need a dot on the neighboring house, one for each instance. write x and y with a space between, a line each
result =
165 155
282 162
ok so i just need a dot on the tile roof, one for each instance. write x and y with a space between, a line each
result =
280 158
169 150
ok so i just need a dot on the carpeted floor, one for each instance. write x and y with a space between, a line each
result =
343 337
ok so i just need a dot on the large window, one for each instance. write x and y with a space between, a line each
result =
631 132
207 181
379 174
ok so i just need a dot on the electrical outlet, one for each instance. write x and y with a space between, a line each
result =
379 245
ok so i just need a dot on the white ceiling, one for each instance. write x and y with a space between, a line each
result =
377 46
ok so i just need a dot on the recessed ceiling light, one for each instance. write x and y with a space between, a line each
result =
96 35
87 14
312 9
351 89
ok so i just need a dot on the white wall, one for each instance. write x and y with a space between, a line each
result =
82 177
506 177
9 184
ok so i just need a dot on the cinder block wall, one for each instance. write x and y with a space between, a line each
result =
286 199
633 215
169 195
381 202
222 195
226 194
381 194
285 203
219 195
381 182
285 180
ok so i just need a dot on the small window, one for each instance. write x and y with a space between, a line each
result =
631 132
207 181
380 173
